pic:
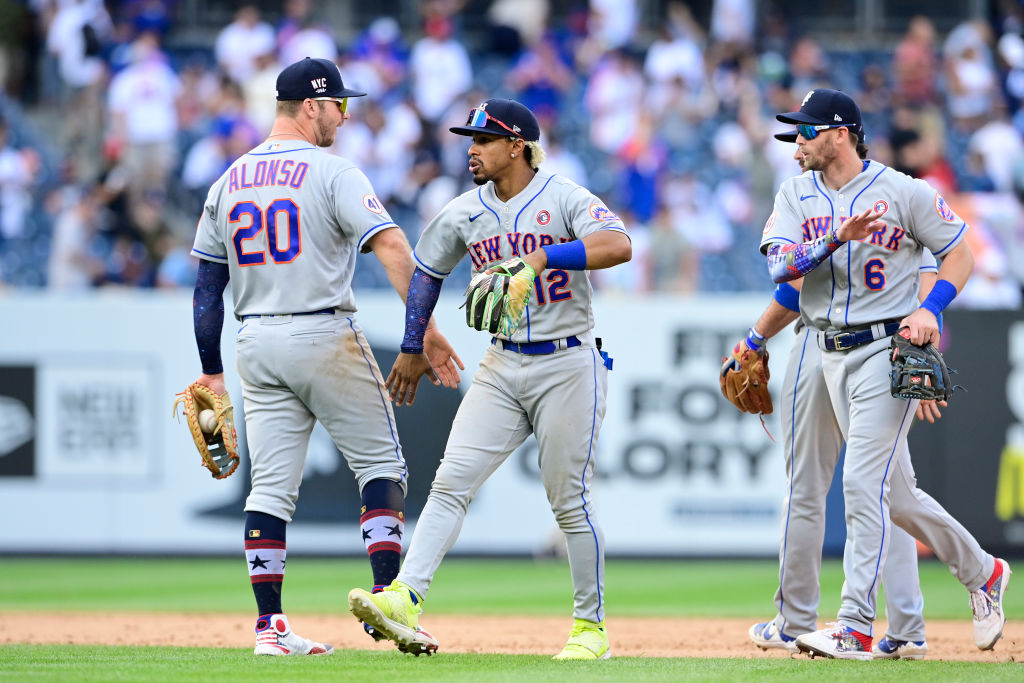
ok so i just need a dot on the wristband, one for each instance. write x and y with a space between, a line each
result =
567 255
788 296
941 295
755 342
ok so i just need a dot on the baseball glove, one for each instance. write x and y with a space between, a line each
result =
218 448
495 301
917 371
744 380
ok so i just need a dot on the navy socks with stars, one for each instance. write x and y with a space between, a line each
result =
382 523
265 555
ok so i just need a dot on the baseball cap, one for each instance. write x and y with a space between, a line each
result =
312 78
824 107
501 117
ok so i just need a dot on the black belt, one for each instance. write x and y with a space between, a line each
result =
322 311
535 348
859 336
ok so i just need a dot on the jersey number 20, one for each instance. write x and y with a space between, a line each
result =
255 220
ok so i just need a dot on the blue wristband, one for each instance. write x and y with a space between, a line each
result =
755 342
941 295
567 255
788 296
939 318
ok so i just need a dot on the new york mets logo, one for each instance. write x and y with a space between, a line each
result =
544 217
601 213
769 224
880 206
371 202
942 208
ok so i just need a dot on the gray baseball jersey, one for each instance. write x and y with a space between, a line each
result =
861 284
875 279
559 396
288 219
551 210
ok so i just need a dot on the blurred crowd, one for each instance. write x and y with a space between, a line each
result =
111 133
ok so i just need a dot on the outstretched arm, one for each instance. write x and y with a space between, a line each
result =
439 361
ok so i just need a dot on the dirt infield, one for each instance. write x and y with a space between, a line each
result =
636 637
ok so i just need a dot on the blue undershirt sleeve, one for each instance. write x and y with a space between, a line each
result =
424 289
208 313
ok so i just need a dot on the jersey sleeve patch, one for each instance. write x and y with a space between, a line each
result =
373 204
769 224
600 212
942 208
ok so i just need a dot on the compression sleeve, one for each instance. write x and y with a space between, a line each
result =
791 261
419 304
208 313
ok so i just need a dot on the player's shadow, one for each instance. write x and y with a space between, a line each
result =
330 494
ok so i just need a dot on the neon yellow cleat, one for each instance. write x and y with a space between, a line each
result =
393 614
588 640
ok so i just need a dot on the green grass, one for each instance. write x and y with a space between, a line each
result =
89 663
523 587
694 588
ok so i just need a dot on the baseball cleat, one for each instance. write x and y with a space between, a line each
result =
767 637
987 605
835 642
890 648
274 637
587 640
393 614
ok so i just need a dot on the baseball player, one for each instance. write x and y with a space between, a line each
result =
284 224
811 455
854 230
549 379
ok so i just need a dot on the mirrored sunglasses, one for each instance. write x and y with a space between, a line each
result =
342 102
810 132
478 118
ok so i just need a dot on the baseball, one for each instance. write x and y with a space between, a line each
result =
207 420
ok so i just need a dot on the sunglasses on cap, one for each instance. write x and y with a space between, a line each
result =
342 102
810 132
478 118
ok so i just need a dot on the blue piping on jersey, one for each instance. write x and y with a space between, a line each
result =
849 260
792 469
527 322
280 151
962 228
929 269
213 256
428 269
515 224
379 225
480 195
383 401
583 494
882 505
831 263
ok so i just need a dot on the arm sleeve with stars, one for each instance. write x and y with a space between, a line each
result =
208 314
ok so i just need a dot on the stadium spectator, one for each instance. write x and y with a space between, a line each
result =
439 67
242 41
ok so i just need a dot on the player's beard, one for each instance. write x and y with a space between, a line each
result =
481 177
325 129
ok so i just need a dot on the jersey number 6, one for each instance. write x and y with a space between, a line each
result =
255 220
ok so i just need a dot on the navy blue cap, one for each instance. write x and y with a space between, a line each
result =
504 117
312 78
824 107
